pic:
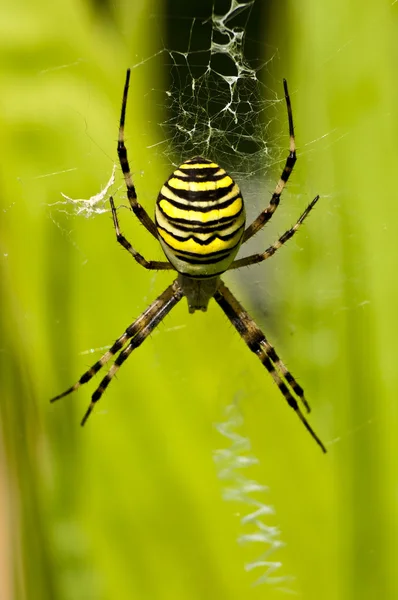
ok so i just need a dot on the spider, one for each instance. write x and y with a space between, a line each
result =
200 224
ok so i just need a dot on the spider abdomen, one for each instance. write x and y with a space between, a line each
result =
200 218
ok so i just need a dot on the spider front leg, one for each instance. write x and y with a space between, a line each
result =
138 210
147 264
256 258
257 342
267 213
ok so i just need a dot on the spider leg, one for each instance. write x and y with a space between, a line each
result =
138 210
149 318
147 264
256 258
257 342
168 300
267 213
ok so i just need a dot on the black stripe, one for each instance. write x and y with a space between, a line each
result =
216 206
198 160
209 261
207 174
219 253
184 253
199 225
211 239
209 276
290 162
207 228
91 372
202 195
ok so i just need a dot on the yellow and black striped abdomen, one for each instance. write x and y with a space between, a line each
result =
200 218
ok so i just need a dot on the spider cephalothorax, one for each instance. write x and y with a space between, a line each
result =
200 223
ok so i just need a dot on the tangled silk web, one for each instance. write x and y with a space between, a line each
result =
215 106
216 101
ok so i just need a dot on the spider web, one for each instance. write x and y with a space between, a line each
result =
216 99
217 106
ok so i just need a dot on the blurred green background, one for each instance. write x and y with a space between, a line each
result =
131 506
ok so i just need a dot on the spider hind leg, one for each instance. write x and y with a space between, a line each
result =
257 342
137 332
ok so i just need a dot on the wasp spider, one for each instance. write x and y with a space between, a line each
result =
200 224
